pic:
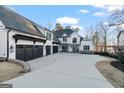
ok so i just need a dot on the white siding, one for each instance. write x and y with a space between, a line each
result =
90 43
70 38
20 42
74 35
3 43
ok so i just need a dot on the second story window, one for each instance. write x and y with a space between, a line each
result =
74 40
64 39
48 36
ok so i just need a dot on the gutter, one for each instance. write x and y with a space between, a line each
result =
8 44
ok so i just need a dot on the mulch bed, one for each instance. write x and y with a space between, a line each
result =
113 71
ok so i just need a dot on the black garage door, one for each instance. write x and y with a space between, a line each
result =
37 51
55 49
20 52
28 52
48 50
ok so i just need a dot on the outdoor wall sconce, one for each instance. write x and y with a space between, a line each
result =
11 49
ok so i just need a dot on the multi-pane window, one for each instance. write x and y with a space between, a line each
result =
86 47
74 40
48 36
64 39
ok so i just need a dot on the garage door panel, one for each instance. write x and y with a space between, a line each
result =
48 50
20 52
55 49
35 52
40 51
28 53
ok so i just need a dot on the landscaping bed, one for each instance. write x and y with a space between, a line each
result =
113 71
9 70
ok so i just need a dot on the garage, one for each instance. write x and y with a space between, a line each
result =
48 50
28 52
37 51
20 52
55 49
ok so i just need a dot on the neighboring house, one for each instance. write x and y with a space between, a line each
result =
21 38
70 40
120 40
86 46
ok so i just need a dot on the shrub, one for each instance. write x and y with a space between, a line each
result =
121 56
107 54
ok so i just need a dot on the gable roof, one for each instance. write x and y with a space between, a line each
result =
15 21
59 33
55 39
122 31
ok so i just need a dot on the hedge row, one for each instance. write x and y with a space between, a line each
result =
107 54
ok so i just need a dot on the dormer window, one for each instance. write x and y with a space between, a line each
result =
64 39
74 40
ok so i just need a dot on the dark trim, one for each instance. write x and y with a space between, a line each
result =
8 44
55 43
23 37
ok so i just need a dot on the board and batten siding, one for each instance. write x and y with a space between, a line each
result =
3 43
3 40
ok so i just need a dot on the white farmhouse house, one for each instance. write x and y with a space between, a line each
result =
18 37
23 39
86 46
120 39
71 41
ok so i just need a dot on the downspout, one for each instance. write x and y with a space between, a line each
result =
8 44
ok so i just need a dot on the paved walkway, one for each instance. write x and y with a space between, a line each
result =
63 70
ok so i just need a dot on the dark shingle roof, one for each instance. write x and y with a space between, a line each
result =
122 31
15 21
59 33
55 39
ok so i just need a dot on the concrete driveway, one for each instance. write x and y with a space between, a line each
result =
63 70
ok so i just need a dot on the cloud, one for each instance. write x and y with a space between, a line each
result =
67 20
105 23
75 26
99 14
113 8
99 6
109 8
83 11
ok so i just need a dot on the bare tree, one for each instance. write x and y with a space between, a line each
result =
105 33
89 32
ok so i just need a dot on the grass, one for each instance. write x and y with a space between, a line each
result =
9 71
113 72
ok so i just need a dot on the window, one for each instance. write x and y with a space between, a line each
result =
74 40
64 39
48 36
86 47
